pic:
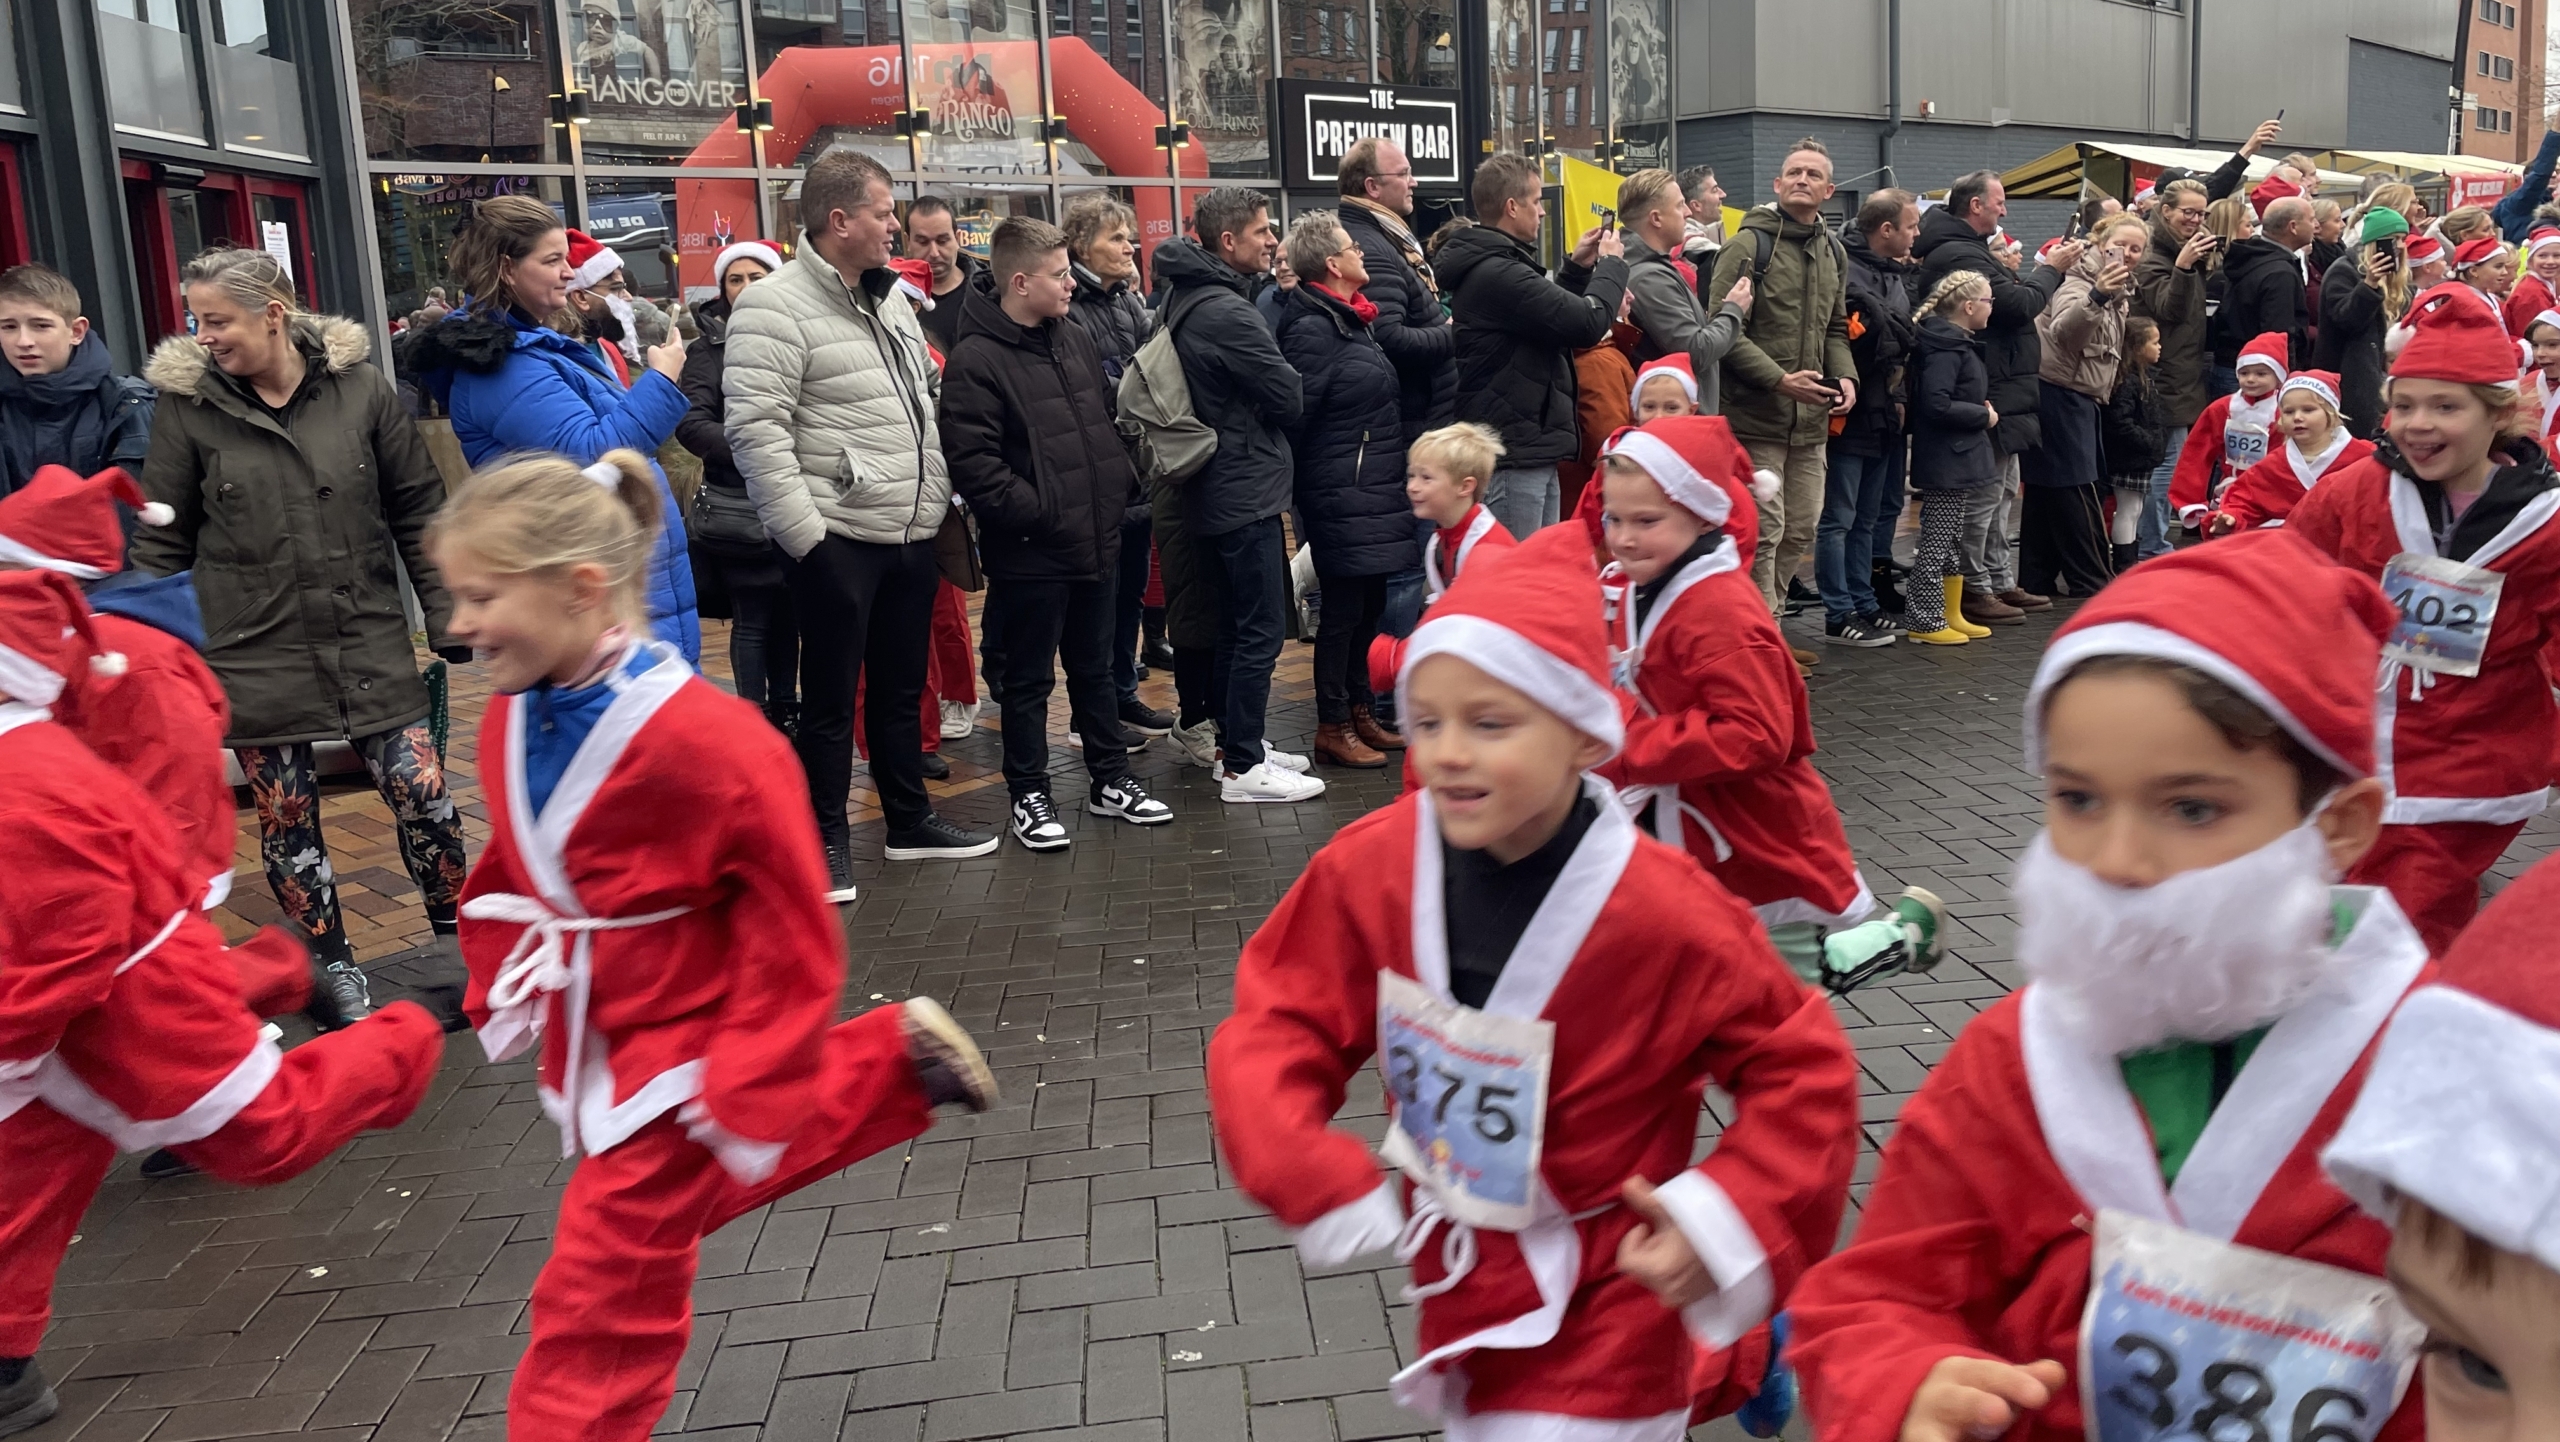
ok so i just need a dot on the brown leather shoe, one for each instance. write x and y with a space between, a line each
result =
2026 600
1989 610
1338 745
1364 724
1805 660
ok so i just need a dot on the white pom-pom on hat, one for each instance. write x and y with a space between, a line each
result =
157 513
1764 485
109 663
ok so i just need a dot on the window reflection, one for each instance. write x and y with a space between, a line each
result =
455 82
1221 81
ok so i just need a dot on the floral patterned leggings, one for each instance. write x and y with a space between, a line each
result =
285 783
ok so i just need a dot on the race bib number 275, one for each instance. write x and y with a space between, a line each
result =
2190 1337
1470 1095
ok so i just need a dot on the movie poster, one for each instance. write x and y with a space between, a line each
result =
1221 78
659 74
1640 82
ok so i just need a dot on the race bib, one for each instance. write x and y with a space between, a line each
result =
2445 611
1470 1096
2244 444
2191 1337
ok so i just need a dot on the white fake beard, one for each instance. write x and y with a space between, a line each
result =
620 305
2204 956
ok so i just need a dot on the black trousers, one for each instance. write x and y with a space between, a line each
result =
861 605
2062 535
1345 624
1046 623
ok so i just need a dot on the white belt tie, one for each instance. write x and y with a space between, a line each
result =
1457 1248
1668 808
550 956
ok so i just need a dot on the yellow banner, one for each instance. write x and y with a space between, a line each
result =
1589 191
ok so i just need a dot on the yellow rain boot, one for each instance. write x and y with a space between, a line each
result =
1955 610
1945 635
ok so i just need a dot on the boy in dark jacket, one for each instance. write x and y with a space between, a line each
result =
61 401
1029 441
2133 435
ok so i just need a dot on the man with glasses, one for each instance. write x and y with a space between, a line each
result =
1412 327
2168 286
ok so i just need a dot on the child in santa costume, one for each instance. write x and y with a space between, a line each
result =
1445 473
1719 749
2316 444
2152 1104
681 980
122 1026
2232 433
163 721
1499 942
2533 294
2541 384
2454 518
2451 1144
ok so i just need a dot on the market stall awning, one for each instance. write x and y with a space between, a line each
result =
2411 165
2087 167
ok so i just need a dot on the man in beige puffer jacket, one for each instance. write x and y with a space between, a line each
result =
830 402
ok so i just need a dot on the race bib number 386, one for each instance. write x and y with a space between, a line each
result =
1470 1095
2190 1337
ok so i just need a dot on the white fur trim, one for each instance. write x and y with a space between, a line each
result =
2550 318
1716 1230
2496 810
1671 471
2312 384
1688 382
2133 638
1765 486
14 550
914 292
1513 659
24 678
2539 242
67 1093
2462 1112
1352 1230
2261 358
1557 1427
109 663
755 250
598 269
156 513
748 1161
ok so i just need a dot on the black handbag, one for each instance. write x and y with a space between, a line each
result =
723 521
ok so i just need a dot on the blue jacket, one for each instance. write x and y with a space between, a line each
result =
512 387
166 603
2514 213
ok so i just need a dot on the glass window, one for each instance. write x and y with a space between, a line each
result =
1573 60
1572 106
255 84
415 218
662 78
1640 81
1554 37
835 76
1110 91
1221 79
1336 44
12 92
150 58
977 75
456 82
1411 52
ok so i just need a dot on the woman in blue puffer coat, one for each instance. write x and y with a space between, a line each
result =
1349 451
513 383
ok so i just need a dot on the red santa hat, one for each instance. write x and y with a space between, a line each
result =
1530 618
2455 336
2261 612
2461 1109
1675 366
2274 350
1695 460
46 637
2424 250
915 279
63 521
2323 384
2474 252
2541 239
592 261
755 250
2550 318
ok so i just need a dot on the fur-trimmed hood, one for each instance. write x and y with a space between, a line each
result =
180 364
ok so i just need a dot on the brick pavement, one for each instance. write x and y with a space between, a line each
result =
1071 1265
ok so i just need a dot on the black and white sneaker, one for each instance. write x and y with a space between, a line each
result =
1036 824
26 1400
1800 597
1856 631
1146 720
342 996
935 839
1127 799
840 891
1879 621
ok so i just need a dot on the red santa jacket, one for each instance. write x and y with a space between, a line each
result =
2541 388
1645 1015
2455 748
2267 492
1477 530
2218 435
1720 714
118 1005
2530 298
162 723
1976 1240
661 925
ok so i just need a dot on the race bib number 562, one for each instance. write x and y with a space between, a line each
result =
2187 1336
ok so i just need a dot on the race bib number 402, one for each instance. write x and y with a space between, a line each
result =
2190 1337
1470 1094
2446 609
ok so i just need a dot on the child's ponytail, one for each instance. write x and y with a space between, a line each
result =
544 513
634 482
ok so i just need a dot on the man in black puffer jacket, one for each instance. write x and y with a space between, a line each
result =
1377 200
2263 288
1030 445
1518 331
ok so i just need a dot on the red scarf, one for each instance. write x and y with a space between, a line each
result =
1361 305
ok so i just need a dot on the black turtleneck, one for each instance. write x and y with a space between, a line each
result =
1488 905
1648 592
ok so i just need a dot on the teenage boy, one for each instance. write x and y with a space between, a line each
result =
1498 941
2199 1004
1029 440
61 401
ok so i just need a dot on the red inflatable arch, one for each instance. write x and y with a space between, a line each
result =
813 87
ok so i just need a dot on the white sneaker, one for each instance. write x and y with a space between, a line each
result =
1197 745
1286 761
1267 783
958 720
